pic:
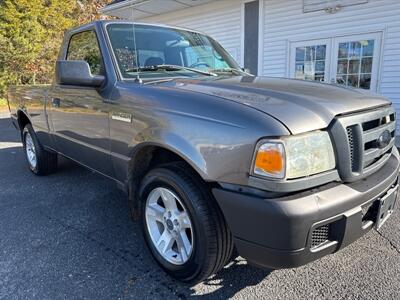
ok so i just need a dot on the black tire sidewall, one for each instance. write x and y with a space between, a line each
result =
28 129
167 179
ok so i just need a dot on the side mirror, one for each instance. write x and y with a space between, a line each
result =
76 72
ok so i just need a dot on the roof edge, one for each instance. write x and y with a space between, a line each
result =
122 4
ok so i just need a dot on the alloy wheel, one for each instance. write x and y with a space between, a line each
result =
30 151
169 226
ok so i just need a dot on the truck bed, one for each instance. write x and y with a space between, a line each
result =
32 100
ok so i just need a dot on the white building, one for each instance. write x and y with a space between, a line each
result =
353 42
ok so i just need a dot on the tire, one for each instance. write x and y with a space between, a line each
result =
40 161
210 239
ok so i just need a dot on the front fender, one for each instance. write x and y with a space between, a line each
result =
178 145
216 137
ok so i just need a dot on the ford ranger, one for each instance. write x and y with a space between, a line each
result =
212 158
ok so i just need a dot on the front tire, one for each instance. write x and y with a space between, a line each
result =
40 161
182 224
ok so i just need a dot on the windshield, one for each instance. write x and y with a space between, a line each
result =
185 50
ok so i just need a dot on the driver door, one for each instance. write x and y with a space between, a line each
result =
79 114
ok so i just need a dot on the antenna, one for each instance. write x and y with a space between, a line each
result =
137 79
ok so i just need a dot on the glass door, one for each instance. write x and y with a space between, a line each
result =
310 60
349 60
355 61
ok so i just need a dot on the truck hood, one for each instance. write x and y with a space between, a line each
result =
299 105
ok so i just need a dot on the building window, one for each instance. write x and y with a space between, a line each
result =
310 62
351 60
354 66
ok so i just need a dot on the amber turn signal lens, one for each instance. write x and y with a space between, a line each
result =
270 160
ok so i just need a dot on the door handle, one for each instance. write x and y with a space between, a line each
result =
56 102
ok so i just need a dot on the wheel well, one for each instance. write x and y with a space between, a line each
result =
146 159
23 120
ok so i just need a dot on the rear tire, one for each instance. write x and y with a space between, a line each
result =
40 161
210 240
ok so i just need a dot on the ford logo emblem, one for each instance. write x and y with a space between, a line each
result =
384 139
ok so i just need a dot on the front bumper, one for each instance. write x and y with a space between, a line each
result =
278 233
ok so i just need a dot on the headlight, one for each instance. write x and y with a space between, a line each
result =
295 156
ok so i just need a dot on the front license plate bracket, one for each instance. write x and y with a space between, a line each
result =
386 206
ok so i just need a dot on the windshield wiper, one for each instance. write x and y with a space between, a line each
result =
229 70
169 68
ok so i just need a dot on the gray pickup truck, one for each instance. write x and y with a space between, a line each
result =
212 158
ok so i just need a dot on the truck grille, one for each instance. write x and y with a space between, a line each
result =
363 141
350 137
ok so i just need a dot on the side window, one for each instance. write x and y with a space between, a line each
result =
84 46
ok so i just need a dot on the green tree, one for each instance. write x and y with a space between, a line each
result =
31 32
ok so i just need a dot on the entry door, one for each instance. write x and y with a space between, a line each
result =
310 60
356 61
349 60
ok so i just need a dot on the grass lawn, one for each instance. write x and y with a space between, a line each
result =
3 104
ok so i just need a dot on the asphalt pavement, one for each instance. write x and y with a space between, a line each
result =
69 236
